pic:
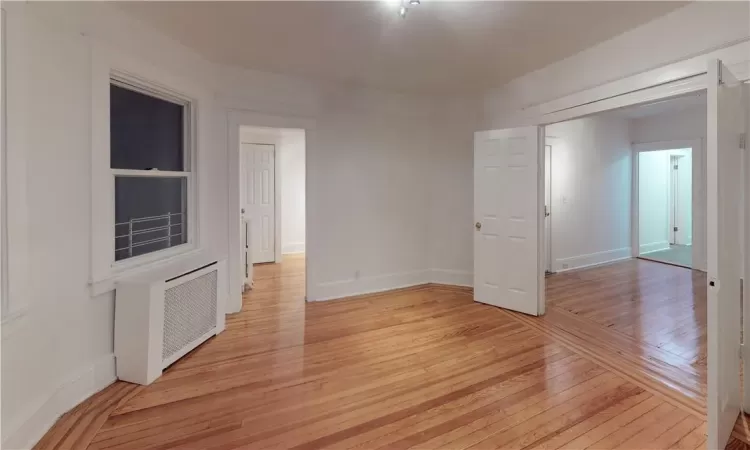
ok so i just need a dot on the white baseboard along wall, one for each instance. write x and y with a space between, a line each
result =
39 418
654 247
591 259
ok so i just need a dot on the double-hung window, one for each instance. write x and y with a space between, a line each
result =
150 142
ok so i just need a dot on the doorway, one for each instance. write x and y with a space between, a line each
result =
504 162
272 196
665 206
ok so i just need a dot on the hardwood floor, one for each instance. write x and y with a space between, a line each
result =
423 367
644 318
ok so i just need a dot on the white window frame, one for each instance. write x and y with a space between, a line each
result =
188 144
129 74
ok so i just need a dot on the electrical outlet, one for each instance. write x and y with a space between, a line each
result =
565 266
356 274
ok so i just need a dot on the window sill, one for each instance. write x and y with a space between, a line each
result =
105 285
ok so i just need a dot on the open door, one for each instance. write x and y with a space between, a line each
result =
723 164
509 210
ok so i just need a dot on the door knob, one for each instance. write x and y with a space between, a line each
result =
478 225
242 211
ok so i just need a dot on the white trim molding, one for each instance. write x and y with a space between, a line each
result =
15 251
592 259
37 419
695 144
653 247
698 197
333 290
108 64
678 78
291 248
452 277
246 117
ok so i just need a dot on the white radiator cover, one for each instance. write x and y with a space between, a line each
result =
162 315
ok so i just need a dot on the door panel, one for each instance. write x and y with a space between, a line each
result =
258 194
548 208
725 124
508 209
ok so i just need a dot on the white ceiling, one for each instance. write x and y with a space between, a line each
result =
441 46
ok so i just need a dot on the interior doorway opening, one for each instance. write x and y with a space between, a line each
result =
593 233
665 207
504 162
272 197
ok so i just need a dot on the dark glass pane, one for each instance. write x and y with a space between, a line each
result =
150 215
145 132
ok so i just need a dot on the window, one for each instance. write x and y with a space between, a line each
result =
150 163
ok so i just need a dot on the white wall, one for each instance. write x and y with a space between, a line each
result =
633 52
58 348
292 160
688 124
368 191
670 126
389 189
591 191
451 167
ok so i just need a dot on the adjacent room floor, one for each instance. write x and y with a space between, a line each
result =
679 255
426 367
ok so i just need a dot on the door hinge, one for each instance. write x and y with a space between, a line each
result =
675 167
741 351
743 143
675 228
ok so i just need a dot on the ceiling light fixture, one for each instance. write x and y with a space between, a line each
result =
405 5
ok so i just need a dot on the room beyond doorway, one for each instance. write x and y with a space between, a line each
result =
665 211
272 195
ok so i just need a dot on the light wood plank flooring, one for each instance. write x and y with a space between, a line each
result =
644 318
422 368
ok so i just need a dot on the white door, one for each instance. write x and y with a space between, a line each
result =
685 200
548 208
508 210
258 195
674 216
723 158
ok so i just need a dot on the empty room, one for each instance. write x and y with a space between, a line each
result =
374 224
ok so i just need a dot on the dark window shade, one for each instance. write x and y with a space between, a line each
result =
145 132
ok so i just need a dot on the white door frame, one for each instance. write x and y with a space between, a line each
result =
673 200
547 207
245 117
550 141
698 164
631 91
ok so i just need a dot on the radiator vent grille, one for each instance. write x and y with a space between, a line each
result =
189 312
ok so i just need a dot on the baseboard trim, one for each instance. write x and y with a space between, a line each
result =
334 290
592 259
452 277
37 420
653 247
293 248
